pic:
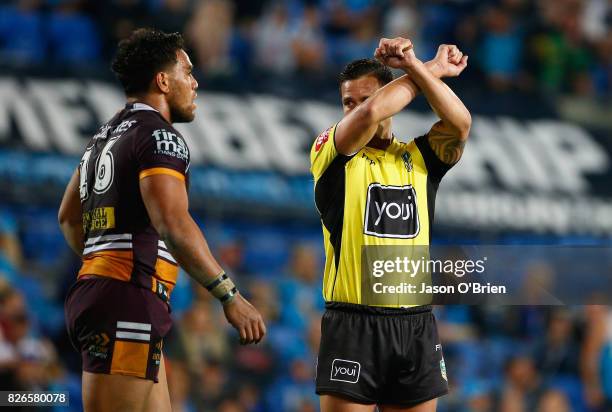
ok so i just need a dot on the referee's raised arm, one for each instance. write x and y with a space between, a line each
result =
364 113
448 136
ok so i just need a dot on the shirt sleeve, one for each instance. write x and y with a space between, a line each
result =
161 150
323 152
436 168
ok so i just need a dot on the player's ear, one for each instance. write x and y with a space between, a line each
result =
162 81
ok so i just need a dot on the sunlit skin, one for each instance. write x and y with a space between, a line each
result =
354 92
183 86
173 91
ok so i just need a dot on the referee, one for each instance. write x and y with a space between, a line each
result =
373 190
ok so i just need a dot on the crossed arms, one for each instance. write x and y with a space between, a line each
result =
447 137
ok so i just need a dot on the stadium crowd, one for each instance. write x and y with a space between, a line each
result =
507 359
550 46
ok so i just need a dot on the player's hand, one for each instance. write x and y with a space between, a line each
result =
245 319
397 53
450 61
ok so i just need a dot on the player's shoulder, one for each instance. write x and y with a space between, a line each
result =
323 138
151 127
147 121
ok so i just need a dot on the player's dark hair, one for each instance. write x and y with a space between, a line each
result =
142 55
366 67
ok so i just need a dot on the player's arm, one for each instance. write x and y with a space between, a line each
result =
447 137
70 216
165 198
356 129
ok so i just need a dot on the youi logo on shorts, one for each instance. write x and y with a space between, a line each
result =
345 371
391 211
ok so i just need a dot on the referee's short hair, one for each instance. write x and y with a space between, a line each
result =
366 67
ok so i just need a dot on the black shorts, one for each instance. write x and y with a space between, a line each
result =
118 327
381 356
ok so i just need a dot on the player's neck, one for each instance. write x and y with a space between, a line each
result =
381 142
156 102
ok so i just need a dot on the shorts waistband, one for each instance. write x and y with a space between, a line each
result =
376 310
157 287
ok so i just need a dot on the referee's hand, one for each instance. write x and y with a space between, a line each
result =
246 319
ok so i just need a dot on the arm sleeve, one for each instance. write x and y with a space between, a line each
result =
161 150
436 168
323 152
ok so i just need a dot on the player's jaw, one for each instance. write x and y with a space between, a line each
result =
182 106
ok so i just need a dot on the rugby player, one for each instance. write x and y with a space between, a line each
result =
382 355
125 211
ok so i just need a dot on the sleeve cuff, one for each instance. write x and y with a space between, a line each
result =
161 171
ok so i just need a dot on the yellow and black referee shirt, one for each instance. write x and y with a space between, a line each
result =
375 197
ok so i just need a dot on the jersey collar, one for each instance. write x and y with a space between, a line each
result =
140 106
382 152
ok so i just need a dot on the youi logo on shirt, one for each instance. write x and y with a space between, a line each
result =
391 211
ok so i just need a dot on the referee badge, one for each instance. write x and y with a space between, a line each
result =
407 161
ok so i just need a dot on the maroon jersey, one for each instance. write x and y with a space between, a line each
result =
120 241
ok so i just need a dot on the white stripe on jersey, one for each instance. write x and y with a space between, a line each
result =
107 246
131 335
108 238
165 255
134 325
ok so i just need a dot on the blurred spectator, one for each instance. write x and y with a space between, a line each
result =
343 16
479 397
172 15
11 255
22 37
232 257
26 361
308 41
118 18
556 352
73 35
300 292
596 19
210 33
596 357
522 386
402 19
257 363
602 71
360 42
198 338
179 386
212 387
294 392
559 52
554 47
248 395
229 405
501 48
553 401
273 41
562 46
